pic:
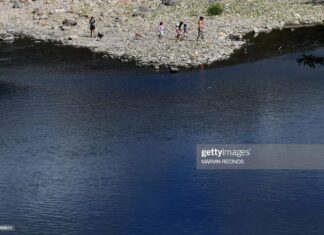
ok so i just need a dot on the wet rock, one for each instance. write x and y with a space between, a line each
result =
8 39
174 69
69 22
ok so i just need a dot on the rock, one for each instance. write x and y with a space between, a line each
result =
296 22
16 4
9 39
73 37
256 30
174 69
43 17
235 37
170 2
64 28
297 16
69 22
60 10
36 10
141 11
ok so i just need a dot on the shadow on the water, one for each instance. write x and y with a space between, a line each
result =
257 47
310 60
275 43
26 50
8 88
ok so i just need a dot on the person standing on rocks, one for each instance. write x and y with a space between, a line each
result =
161 30
92 23
185 31
201 25
178 35
179 30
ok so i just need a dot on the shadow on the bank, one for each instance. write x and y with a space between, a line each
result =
311 61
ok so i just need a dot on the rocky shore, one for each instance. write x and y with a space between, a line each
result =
129 27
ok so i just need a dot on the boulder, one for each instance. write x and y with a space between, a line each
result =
235 37
37 11
222 34
16 4
9 39
69 22
170 2
174 69
73 37
64 28
141 11
60 10
43 17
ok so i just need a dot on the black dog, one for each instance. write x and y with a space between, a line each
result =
100 35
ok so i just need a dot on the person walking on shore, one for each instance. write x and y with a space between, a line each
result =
161 30
92 23
185 31
201 25
178 34
179 30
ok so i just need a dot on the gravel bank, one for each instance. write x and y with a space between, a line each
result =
130 26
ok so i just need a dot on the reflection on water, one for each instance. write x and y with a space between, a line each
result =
112 151
8 89
311 60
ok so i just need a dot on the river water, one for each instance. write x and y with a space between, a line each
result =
94 147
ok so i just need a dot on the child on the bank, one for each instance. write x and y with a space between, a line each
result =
161 30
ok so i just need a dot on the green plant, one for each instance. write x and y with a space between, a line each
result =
215 9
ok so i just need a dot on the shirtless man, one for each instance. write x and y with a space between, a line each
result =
201 25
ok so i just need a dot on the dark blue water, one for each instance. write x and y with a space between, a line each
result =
110 149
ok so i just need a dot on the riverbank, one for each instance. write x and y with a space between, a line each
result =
129 27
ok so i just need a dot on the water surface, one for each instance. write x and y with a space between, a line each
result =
94 147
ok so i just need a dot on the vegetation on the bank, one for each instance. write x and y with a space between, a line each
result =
215 9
